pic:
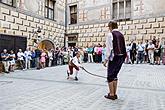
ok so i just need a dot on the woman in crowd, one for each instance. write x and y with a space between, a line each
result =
151 48
99 53
81 54
33 61
66 56
85 55
60 57
96 53
50 57
157 52
12 60
128 58
43 59
146 52
103 53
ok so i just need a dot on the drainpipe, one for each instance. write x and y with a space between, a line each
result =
65 34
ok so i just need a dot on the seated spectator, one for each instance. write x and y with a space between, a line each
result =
5 60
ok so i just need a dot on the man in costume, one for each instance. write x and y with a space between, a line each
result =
74 63
115 56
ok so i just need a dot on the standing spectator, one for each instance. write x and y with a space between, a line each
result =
85 55
47 59
27 55
128 48
43 59
140 49
151 48
50 57
12 60
90 55
133 52
157 52
33 61
37 56
5 60
154 40
56 54
96 53
103 53
81 55
146 52
20 58
75 50
60 57
99 53
66 56
115 41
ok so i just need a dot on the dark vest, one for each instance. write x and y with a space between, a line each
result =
118 43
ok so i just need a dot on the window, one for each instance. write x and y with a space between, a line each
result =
73 14
121 9
49 9
9 2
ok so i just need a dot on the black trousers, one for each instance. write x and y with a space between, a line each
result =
114 67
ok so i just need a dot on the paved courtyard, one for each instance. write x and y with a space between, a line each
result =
141 87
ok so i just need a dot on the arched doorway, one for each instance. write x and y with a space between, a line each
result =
46 44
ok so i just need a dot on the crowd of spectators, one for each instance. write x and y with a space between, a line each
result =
148 52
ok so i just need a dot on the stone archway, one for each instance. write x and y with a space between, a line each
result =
46 44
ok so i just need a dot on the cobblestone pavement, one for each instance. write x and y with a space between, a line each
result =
141 87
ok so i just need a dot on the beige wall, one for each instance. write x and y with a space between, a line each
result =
147 8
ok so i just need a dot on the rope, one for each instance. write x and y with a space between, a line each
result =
92 73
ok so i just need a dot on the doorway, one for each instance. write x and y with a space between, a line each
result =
46 44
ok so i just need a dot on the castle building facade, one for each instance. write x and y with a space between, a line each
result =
138 20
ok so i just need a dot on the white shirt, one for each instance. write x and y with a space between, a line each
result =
20 55
151 46
128 48
95 49
75 60
27 55
109 45
50 55
140 47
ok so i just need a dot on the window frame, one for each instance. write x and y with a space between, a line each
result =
75 13
117 15
12 4
49 9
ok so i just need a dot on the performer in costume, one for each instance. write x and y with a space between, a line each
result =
115 56
74 63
